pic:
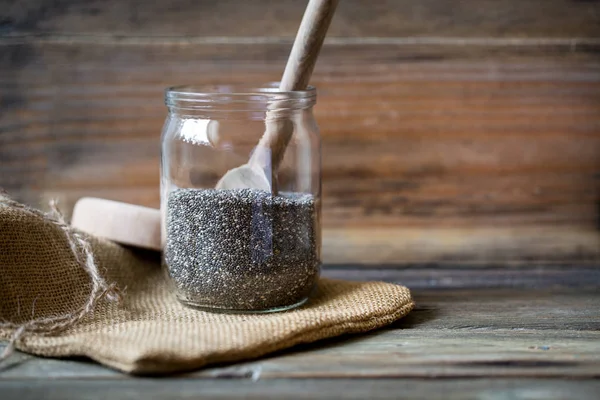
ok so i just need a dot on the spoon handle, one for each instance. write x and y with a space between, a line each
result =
307 45
298 70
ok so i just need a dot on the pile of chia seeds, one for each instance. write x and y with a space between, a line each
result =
242 249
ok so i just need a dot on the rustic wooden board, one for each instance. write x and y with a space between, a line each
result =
460 342
399 354
438 153
463 132
354 18
466 277
542 389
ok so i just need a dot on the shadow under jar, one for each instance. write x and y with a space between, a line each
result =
241 249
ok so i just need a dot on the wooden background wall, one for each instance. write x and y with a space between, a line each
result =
453 131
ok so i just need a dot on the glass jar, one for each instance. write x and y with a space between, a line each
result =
244 247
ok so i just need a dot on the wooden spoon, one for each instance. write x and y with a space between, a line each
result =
261 170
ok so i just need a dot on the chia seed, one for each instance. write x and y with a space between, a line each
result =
242 249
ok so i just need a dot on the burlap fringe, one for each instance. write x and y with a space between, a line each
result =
82 251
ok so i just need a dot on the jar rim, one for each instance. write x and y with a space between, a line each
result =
238 97
270 88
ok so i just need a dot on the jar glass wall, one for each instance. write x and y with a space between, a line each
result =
240 249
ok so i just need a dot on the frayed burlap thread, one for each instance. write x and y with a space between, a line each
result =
83 255
149 331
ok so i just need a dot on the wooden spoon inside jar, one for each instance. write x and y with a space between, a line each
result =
261 170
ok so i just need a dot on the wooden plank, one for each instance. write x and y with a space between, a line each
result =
474 333
355 18
303 389
445 354
423 353
476 246
458 277
528 311
455 153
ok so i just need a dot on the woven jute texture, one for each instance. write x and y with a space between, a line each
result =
43 279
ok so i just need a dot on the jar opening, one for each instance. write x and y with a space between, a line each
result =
238 97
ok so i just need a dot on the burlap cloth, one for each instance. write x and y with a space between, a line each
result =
53 303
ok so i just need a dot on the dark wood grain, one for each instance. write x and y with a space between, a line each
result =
535 341
547 389
437 153
460 277
400 354
452 131
354 19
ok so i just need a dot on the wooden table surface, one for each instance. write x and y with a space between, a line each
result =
486 333
462 132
